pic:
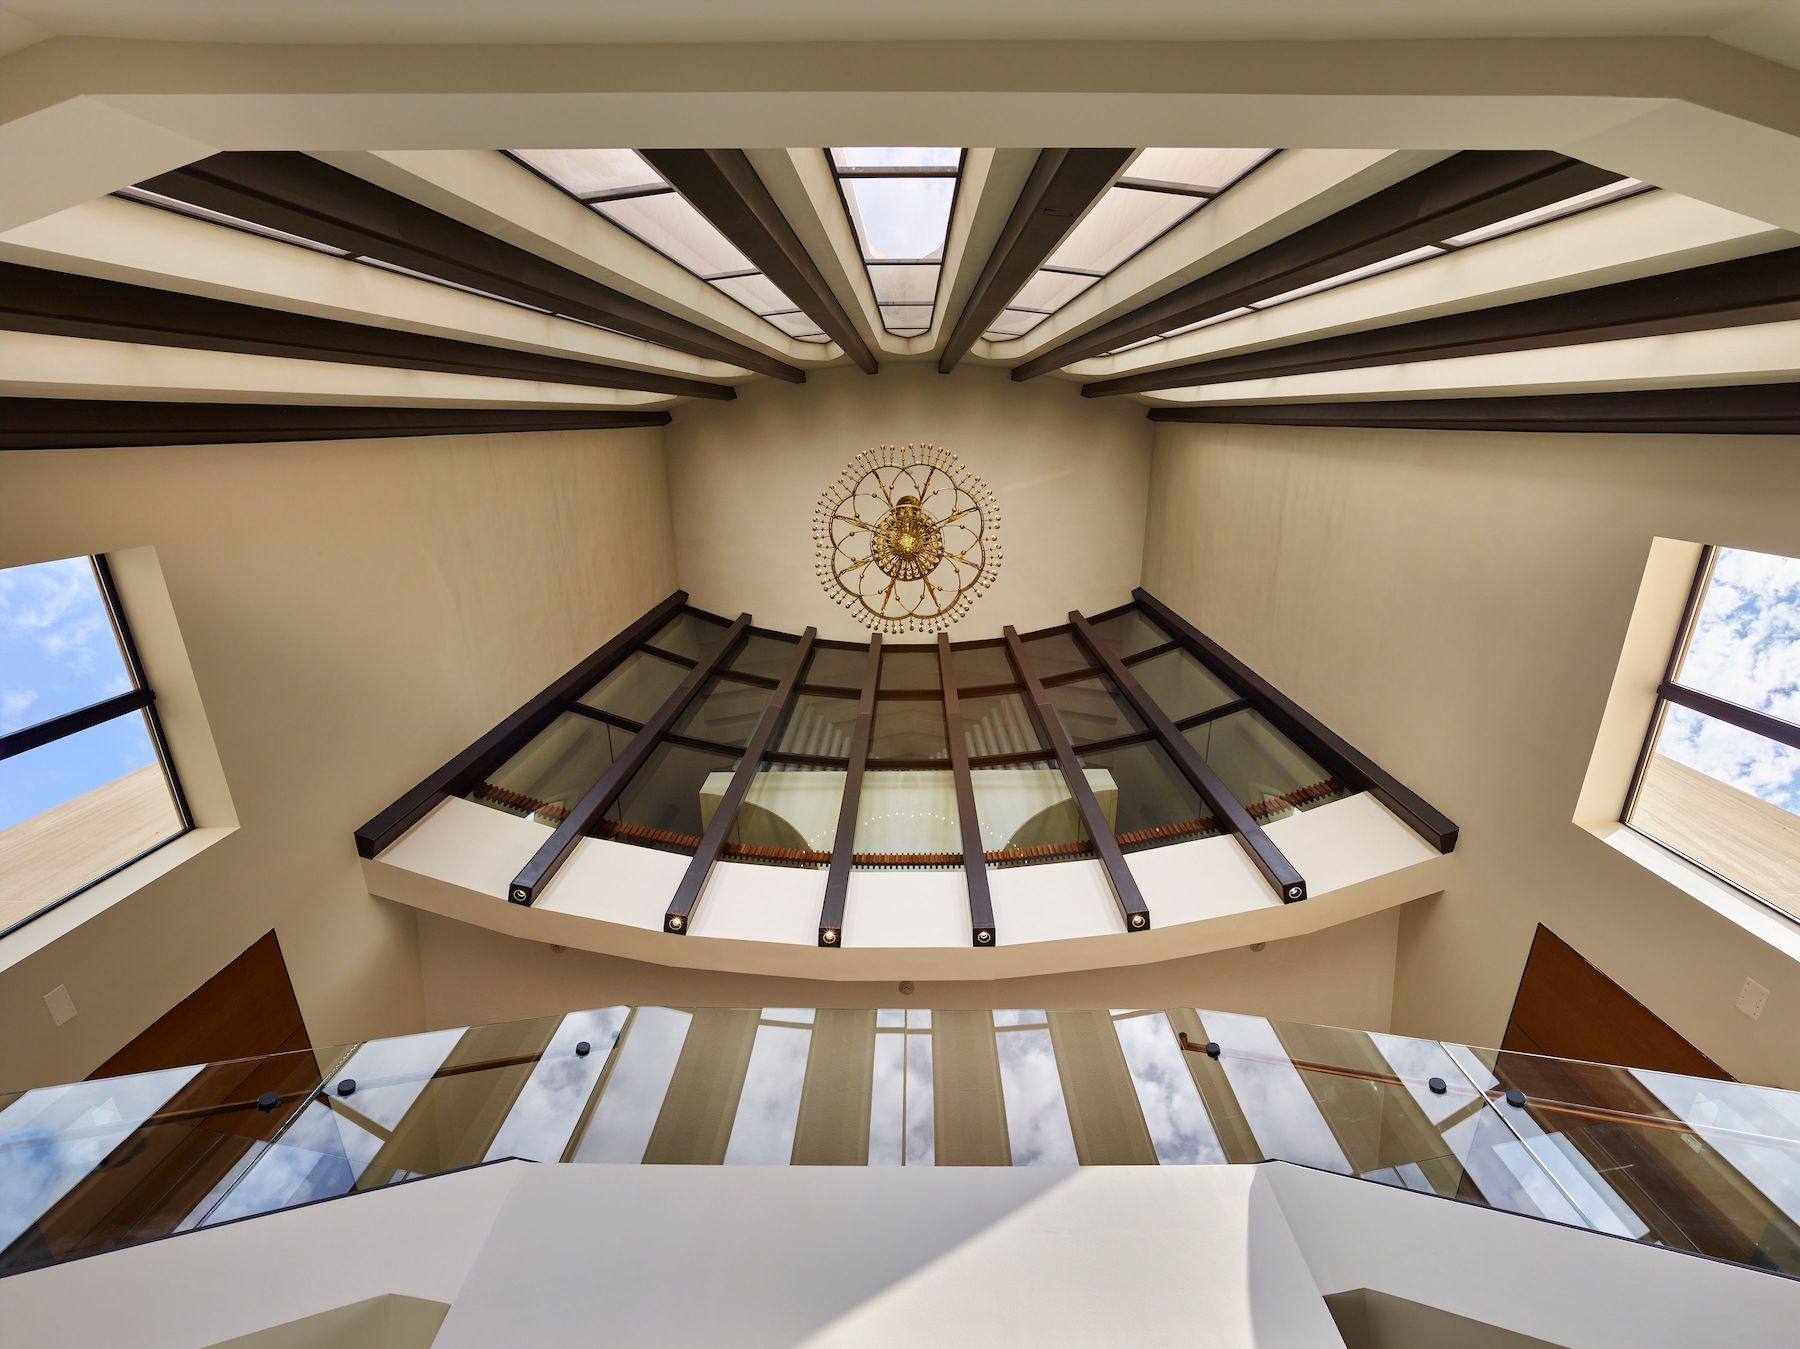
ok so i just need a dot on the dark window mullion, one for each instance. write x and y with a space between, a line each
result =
134 664
843 843
974 860
1732 714
73 723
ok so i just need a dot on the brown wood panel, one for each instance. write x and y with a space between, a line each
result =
1568 1008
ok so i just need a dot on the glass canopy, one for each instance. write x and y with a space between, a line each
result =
1160 189
899 200
621 186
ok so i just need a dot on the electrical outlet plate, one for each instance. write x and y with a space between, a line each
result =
61 1005
1751 998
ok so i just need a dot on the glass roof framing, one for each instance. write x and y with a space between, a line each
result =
620 186
1543 215
1161 189
900 201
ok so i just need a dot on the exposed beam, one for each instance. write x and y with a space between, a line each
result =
843 845
724 187
499 744
1062 185
1106 846
1458 194
1280 873
1725 409
598 799
96 423
64 304
981 900
1760 289
679 917
1312 735
300 195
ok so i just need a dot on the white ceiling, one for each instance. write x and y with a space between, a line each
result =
1768 28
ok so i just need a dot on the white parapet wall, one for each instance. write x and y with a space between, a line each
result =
624 1255
1204 895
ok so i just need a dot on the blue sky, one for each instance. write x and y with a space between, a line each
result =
58 653
1746 647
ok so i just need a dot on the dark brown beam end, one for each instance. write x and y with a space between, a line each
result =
1061 187
1726 409
724 187
106 423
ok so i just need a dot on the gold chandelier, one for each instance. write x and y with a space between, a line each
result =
907 538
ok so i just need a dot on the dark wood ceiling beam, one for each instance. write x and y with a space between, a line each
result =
36 300
300 195
1061 186
1761 289
1727 409
1467 191
97 423
724 187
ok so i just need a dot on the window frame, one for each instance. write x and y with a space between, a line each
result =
141 697
1670 692
839 173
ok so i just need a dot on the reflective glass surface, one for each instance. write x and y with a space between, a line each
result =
838 667
58 650
1180 685
789 816
725 711
909 667
1150 799
636 686
1027 814
544 780
820 724
1697 1165
690 635
1128 633
1270 775
669 800
908 728
999 723
984 666
907 818
1092 709
761 654
1055 653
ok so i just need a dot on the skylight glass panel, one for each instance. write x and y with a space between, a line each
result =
585 173
899 200
796 324
622 187
1052 290
1208 171
670 224
1124 223
1015 322
1543 215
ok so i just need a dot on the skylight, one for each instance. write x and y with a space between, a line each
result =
621 186
85 785
1161 189
1720 781
899 200
1543 215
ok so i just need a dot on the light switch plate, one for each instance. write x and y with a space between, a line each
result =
1751 998
61 1005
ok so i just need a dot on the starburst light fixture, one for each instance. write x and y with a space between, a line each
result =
907 538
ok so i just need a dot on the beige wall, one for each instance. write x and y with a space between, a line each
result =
355 612
1071 475
1455 604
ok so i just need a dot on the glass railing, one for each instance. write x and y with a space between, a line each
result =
1692 1164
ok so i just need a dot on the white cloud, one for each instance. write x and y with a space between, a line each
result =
55 607
13 706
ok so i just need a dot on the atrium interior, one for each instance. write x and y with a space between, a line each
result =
630 712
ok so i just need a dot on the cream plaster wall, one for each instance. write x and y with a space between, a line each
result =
1455 605
1071 475
354 612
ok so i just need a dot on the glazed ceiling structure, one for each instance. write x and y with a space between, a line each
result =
280 295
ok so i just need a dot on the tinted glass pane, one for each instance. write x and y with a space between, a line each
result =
770 657
789 817
1745 646
1728 799
670 225
1128 633
999 724
838 667
900 217
1144 793
1037 1117
1055 653
818 724
669 801
1206 170
550 774
1265 770
908 728
58 650
982 666
1124 221
725 711
586 171
1090 709
909 668
690 635
907 818
72 810
636 686
1180 685
1027 815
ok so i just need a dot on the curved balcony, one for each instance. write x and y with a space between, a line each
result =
813 807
